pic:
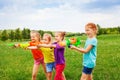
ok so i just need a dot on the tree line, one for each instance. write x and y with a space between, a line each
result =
114 30
19 35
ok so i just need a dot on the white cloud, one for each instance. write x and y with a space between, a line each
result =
64 17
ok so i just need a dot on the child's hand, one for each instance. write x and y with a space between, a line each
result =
16 45
72 47
40 45
27 48
62 43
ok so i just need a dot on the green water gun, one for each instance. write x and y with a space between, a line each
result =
73 41
11 44
77 43
22 45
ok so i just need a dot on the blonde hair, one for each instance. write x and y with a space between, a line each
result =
62 34
92 26
49 36
37 34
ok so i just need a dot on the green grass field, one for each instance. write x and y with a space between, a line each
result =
16 64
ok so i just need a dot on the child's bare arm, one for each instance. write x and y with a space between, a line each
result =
82 49
32 47
46 45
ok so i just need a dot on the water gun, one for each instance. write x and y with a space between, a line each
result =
11 44
75 41
22 45
72 41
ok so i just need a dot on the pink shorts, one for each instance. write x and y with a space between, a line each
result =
39 61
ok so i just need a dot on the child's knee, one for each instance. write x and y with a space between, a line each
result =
83 78
49 75
34 75
90 78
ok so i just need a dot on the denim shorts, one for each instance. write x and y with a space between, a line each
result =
87 70
50 66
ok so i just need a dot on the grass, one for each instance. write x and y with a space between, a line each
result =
16 64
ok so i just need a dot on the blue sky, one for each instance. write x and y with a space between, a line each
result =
56 15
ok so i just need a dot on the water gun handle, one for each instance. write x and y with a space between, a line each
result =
68 42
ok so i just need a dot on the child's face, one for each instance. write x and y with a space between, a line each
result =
58 37
89 32
46 40
34 37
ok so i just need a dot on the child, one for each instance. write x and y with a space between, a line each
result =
89 51
59 55
48 55
37 54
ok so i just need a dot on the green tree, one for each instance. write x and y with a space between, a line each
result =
99 29
0 34
119 29
26 33
104 31
12 35
108 30
41 32
49 32
4 35
18 34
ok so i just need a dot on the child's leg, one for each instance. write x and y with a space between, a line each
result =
49 75
86 73
89 77
49 69
35 71
64 78
84 76
44 68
